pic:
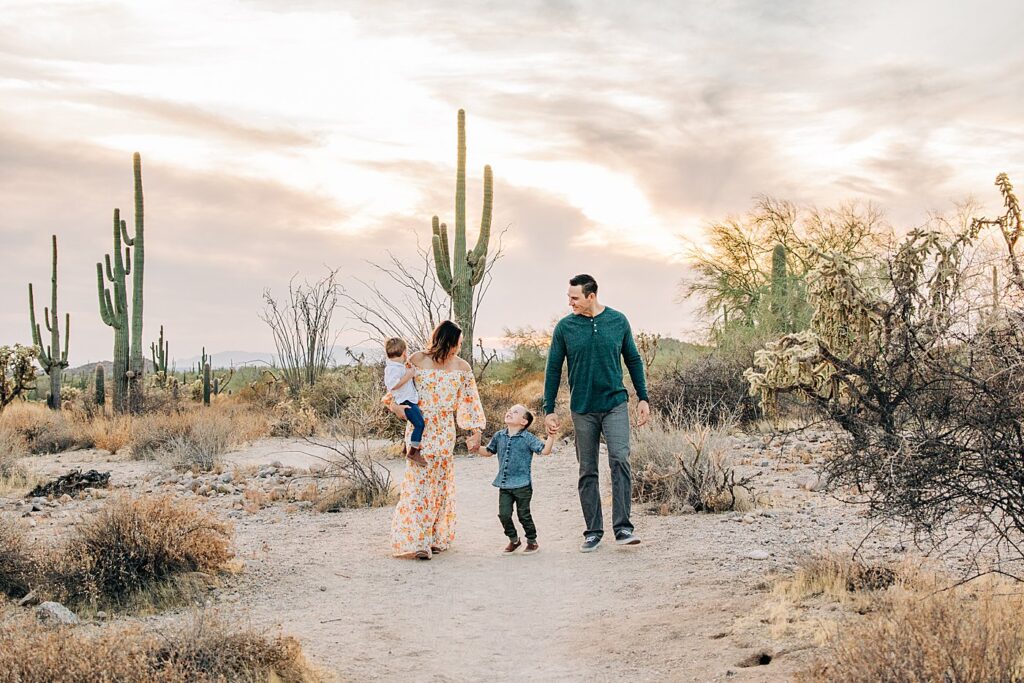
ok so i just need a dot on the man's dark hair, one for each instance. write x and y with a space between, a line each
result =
529 419
588 283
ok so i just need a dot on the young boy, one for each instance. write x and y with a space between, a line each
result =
398 378
515 446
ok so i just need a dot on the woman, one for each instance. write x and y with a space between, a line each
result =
424 519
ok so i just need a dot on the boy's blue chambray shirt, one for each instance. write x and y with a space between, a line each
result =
515 455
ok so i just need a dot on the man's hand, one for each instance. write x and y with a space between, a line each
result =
398 409
643 413
553 423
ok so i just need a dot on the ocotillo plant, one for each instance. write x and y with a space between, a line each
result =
161 351
128 366
51 358
101 389
459 271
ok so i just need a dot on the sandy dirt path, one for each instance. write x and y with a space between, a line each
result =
664 610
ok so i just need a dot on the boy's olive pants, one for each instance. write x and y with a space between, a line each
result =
519 497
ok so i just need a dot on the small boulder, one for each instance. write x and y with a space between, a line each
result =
55 614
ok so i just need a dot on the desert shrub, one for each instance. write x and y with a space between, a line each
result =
153 434
17 567
42 430
942 637
290 419
200 649
331 393
679 466
920 367
839 577
196 438
710 386
135 547
110 434
355 478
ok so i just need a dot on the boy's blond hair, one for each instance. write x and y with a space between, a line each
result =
394 347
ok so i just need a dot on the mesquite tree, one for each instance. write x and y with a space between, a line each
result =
459 271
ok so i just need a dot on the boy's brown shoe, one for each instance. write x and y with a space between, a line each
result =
531 548
513 546
414 455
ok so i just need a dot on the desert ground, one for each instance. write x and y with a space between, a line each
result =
688 604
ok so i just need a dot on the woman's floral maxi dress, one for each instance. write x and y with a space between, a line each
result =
425 515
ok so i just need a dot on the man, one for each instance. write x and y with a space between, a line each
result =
594 340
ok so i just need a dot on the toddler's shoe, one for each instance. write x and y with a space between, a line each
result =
415 456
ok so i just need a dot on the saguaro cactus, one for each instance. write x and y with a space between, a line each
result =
206 384
128 366
101 389
460 271
51 358
780 306
161 351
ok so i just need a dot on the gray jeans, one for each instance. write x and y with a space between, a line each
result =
614 425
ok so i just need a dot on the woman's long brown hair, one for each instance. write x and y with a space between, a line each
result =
443 341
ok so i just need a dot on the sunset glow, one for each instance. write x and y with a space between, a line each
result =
281 137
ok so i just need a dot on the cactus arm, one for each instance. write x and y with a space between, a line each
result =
67 337
125 237
110 272
37 336
127 260
106 309
442 264
46 318
478 259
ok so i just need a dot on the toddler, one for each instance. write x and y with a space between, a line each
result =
398 378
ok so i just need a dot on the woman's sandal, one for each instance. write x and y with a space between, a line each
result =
422 555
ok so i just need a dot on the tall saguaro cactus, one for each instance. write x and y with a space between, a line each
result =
51 358
128 364
459 271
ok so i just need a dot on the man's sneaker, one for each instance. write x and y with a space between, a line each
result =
626 538
531 548
513 546
590 544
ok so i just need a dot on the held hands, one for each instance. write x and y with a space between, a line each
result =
473 441
553 424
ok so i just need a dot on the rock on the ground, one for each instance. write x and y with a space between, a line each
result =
54 614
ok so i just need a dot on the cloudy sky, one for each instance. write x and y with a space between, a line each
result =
283 137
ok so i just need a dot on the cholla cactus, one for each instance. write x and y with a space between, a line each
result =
17 372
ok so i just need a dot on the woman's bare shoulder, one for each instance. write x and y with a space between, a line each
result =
462 366
417 358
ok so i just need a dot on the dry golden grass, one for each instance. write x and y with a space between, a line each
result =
196 439
349 496
966 637
110 434
140 553
40 429
17 565
201 649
